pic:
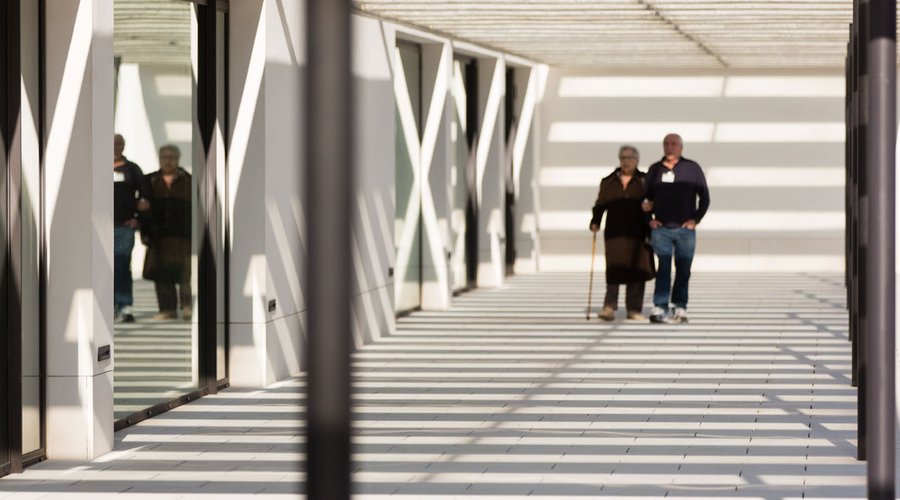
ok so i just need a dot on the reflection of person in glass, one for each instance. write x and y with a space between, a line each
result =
168 235
130 194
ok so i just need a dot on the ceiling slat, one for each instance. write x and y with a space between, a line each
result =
641 33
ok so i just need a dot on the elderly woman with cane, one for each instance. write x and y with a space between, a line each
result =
629 261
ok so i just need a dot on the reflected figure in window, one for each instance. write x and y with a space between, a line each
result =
167 235
628 259
130 193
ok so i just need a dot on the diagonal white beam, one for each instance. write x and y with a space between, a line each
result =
489 121
524 129
429 143
459 96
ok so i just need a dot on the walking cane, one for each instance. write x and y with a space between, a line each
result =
591 282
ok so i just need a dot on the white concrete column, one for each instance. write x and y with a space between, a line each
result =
247 175
284 163
79 229
267 309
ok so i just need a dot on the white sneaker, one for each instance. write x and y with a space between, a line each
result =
658 315
680 315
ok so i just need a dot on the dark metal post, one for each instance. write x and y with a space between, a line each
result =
881 46
206 266
329 195
853 207
861 10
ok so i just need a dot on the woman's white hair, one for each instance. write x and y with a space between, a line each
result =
629 147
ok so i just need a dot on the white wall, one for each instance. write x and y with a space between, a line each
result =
154 107
771 144
79 124
373 231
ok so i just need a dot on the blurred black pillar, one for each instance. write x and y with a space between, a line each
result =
852 191
329 194
881 48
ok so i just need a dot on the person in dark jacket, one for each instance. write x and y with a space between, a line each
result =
620 198
678 197
168 235
130 193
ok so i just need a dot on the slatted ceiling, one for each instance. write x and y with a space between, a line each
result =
152 31
642 33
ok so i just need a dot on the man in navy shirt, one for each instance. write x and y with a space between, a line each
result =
130 194
678 197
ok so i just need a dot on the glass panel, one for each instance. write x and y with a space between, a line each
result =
156 180
30 219
221 127
408 272
458 178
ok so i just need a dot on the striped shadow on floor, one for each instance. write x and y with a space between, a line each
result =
512 394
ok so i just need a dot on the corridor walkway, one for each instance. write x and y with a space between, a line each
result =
514 394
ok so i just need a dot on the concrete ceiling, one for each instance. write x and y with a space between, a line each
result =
152 31
641 33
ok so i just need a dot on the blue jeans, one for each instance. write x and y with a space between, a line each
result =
680 243
123 237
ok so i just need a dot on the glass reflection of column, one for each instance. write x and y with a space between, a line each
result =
221 176
31 230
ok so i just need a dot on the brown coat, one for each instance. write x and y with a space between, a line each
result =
167 229
626 228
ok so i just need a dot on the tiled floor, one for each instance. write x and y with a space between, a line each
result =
153 358
513 394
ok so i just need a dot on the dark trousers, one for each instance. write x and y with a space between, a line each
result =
634 296
167 297
123 243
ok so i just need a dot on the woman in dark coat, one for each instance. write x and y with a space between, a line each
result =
627 260
167 234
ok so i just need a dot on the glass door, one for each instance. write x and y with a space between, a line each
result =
168 175
408 224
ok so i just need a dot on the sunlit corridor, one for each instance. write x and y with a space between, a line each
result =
514 394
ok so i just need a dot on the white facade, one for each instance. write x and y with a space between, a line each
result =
771 145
